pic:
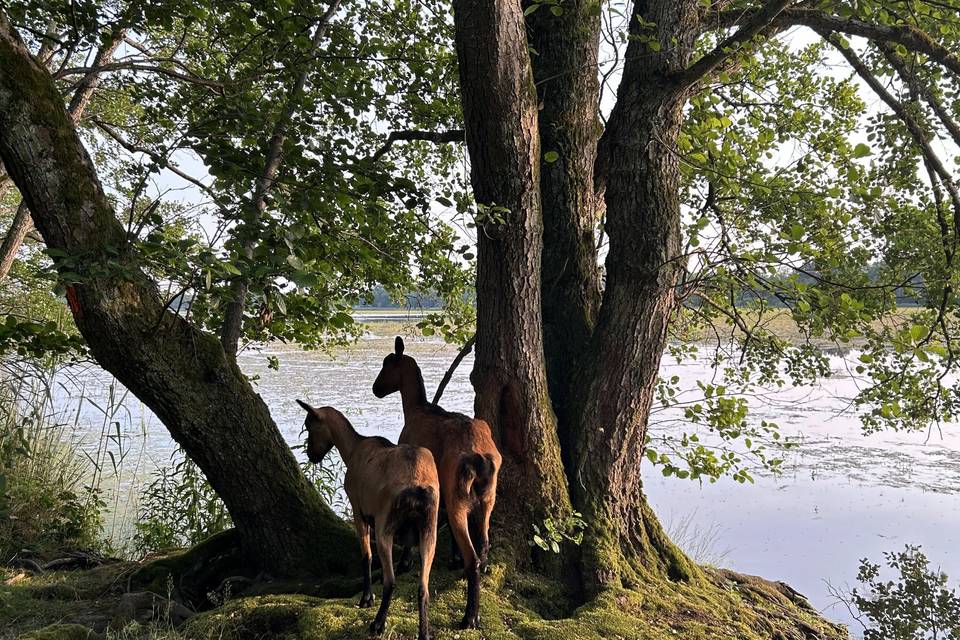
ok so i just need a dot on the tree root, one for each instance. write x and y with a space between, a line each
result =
216 570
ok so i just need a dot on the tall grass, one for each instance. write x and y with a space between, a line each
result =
46 499
704 543
64 482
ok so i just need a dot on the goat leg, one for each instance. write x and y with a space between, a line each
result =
385 551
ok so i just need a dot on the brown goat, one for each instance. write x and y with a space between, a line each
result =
392 488
467 463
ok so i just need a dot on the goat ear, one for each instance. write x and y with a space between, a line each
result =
308 408
398 346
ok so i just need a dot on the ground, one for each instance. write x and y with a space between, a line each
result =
718 605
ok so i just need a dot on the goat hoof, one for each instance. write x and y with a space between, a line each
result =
377 627
366 600
470 622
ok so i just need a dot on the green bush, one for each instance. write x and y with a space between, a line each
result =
178 508
917 604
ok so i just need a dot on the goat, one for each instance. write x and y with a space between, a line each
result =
467 463
392 488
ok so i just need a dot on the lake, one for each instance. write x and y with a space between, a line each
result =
842 496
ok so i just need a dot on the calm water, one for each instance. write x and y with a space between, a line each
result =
843 496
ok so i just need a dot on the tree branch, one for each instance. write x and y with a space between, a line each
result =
19 228
753 25
464 351
233 316
133 66
437 137
88 84
158 158
909 36
910 77
913 127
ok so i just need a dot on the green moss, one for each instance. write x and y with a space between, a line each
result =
717 605
62 632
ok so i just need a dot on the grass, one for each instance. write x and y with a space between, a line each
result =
49 496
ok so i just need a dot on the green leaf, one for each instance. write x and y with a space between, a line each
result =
551 157
861 151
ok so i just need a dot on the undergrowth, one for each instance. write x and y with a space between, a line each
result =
46 499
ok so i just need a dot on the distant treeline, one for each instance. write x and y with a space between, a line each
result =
380 299
910 295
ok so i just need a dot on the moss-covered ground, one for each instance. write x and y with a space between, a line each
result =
715 605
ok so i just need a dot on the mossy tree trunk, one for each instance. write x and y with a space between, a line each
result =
509 373
600 351
182 374
565 70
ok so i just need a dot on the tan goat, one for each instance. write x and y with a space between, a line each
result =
393 489
467 463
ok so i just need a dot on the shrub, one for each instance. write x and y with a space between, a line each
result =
916 605
178 508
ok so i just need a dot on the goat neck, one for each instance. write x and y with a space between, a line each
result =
412 391
345 437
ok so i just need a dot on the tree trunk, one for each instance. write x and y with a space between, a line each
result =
500 112
625 541
182 374
19 228
22 222
565 70
602 356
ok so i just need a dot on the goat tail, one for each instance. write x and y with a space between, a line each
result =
475 473
412 505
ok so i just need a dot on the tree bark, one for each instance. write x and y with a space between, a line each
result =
565 71
500 113
182 374
19 228
625 540
22 222
602 356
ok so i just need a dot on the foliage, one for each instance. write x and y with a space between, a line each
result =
37 339
916 605
208 85
802 197
178 508
556 532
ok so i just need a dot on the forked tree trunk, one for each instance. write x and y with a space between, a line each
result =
500 112
182 374
602 358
